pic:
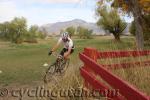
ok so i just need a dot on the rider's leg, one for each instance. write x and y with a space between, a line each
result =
67 57
63 51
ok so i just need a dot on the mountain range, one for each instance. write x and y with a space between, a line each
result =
55 28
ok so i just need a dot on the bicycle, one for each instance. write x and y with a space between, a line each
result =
59 67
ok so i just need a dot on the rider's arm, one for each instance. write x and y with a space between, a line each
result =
57 45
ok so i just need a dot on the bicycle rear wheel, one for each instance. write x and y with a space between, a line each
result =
49 73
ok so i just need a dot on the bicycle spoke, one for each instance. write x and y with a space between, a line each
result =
49 73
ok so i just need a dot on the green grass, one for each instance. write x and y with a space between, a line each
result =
23 63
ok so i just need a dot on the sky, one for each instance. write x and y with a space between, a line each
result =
49 11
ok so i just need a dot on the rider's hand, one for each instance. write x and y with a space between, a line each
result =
50 53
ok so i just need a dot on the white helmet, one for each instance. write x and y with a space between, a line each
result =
65 35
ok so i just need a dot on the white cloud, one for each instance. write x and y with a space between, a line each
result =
58 1
37 14
7 10
50 1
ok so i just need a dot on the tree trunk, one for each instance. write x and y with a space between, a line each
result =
116 36
138 23
139 35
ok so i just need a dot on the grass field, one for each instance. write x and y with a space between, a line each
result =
23 64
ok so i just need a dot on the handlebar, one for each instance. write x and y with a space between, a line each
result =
57 55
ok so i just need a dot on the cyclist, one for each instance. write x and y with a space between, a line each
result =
68 45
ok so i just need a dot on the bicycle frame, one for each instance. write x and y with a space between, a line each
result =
57 67
58 60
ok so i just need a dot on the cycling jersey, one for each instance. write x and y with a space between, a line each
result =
68 44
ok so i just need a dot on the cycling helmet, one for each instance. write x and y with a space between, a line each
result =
65 36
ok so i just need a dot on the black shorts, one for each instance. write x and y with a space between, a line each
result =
65 50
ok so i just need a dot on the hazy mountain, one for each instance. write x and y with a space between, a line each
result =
55 28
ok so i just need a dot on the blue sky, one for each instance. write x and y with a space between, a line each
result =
48 11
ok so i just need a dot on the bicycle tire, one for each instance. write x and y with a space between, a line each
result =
49 73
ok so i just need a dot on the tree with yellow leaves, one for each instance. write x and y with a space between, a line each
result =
138 8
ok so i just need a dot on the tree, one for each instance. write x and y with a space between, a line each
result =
44 32
132 28
34 33
84 33
17 29
126 5
138 8
71 30
111 21
4 30
146 31
31 35
14 30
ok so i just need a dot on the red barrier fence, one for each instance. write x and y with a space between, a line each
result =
114 54
92 69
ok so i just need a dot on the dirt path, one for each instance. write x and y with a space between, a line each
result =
22 92
36 91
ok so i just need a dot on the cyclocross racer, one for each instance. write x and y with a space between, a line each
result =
68 45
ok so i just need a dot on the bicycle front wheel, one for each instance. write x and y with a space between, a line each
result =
49 73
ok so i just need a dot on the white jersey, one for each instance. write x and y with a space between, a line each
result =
67 44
